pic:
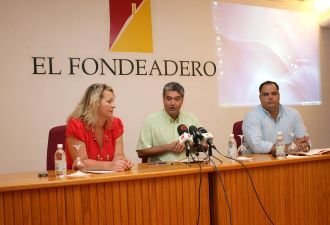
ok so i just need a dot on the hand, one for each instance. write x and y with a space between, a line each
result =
302 144
176 147
303 147
129 164
121 165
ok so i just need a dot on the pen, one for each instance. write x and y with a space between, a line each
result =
156 163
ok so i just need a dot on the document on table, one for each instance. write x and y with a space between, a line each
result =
313 152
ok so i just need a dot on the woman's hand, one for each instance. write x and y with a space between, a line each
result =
121 165
129 164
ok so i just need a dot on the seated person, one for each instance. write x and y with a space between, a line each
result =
159 139
260 126
94 134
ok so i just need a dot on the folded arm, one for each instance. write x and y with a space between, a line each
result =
119 163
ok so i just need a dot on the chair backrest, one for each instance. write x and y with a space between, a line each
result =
237 130
56 136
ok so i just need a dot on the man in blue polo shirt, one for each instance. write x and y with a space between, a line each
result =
261 125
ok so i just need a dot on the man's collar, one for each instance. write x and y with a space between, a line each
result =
170 118
280 109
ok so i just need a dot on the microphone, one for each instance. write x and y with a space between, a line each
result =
185 137
196 134
208 137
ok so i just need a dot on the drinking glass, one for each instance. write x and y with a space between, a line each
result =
241 149
292 147
78 163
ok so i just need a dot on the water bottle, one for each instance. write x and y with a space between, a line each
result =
232 147
280 146
60 161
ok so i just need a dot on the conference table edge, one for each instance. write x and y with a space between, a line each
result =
30 180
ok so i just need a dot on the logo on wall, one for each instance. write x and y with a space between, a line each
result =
130 26
130 31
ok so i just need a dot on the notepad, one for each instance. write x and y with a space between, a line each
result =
190 160
243 158
77 174
313 152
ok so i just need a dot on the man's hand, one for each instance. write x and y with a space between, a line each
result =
176 147
302 144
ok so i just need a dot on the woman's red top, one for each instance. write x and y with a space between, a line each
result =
76 128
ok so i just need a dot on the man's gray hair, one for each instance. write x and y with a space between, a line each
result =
173 86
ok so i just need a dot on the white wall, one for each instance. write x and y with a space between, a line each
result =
32 104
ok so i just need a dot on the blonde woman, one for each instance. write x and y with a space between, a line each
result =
94 134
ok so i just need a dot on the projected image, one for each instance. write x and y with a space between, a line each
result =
255 44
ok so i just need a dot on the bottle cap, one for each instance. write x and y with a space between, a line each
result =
279 133
59 145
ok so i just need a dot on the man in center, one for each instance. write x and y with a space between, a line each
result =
159 138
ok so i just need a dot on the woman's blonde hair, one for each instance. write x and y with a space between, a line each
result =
87 108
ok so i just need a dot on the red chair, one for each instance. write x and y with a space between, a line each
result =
237 130
56 136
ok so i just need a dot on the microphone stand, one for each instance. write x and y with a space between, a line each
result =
188 152
210 149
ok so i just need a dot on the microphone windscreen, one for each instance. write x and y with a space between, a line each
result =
202 130
192 130
204 133
182 129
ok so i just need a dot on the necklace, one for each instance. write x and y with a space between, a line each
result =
106 139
